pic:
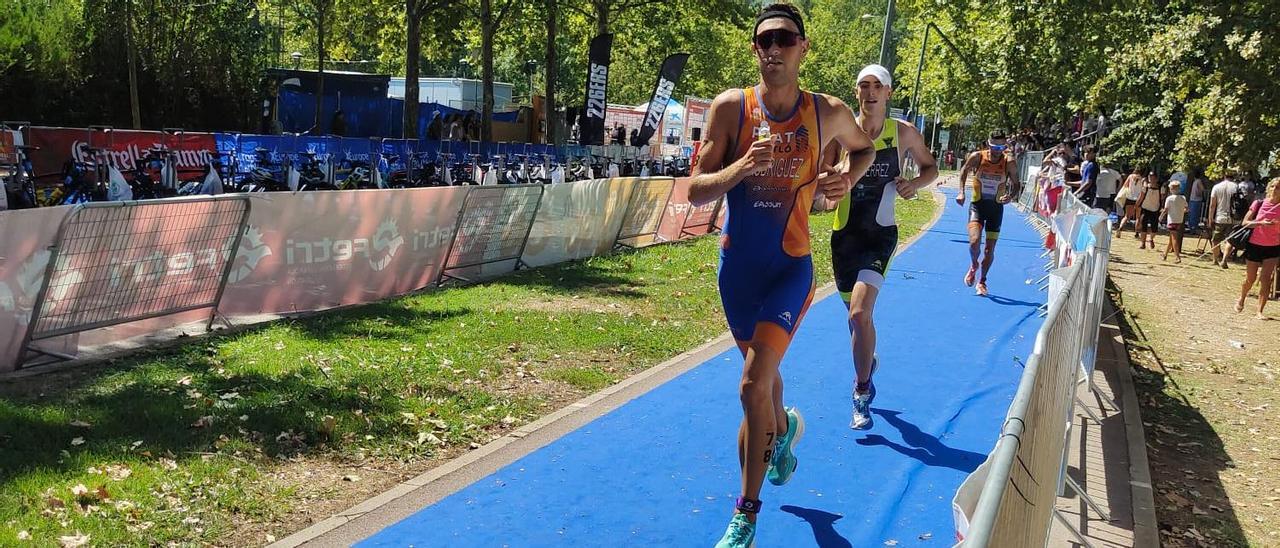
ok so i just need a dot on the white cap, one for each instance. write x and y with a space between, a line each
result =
881 74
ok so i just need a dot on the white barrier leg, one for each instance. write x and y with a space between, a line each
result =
1087 411
1108 401
1076 532
1086 498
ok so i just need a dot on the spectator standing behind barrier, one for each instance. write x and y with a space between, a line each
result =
1220 219
473 126
1149 211
1263 248
456 133
436 127
1174 213
1088 177
1132 189
1196 201
1106 188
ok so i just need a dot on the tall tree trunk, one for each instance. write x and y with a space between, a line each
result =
133 65
413 18
487 27
602 16
549 102
320 70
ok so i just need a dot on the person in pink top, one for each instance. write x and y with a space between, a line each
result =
1263 249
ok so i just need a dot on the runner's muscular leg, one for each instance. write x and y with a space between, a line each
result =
988 257
861 305
761 383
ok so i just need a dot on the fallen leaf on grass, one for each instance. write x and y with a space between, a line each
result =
327 425
73 541
271 537
168 464
77 441
23 535
185 381
202 422
79 490
80 424
1177 499
118 472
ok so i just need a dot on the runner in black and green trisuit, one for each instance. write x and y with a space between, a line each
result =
996 185
865 232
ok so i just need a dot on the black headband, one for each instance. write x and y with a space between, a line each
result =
777 12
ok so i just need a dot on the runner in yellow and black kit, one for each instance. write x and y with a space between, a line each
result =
865 233
762 151
997 183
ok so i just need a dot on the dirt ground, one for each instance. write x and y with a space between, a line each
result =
1206 379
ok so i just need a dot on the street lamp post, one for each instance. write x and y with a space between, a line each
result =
884 37
915 90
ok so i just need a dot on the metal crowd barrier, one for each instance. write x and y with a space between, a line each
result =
646 204
493 227
107 267
1026 471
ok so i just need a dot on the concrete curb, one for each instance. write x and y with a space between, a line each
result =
478 462
1146 531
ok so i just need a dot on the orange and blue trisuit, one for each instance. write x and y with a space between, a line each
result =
766 271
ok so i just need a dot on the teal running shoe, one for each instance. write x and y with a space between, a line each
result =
783 463
740 534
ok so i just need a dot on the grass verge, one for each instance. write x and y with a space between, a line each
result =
1205 377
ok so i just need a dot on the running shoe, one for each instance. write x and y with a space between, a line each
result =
784 462
740 534
862 401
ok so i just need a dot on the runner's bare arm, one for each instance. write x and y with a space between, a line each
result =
838 122
711 176
911 140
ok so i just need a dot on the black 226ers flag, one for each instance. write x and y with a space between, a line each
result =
672 68
599 57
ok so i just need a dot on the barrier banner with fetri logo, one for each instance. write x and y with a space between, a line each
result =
315 250
683 219
644 211
495 222
124 148
25 238
599 57
576 220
